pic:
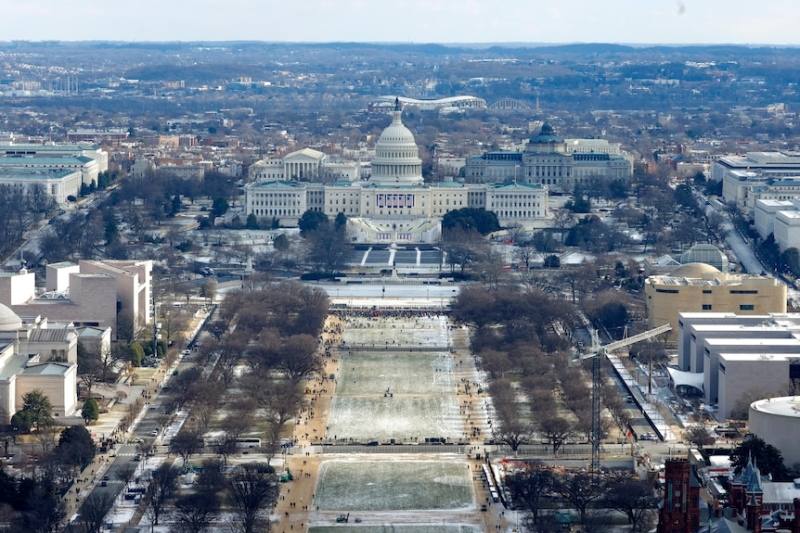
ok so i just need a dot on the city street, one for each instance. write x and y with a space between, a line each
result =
339 292
744 254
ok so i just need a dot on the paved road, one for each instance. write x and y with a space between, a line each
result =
125 453
430 292
744 254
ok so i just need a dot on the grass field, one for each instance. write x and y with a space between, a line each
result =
402 373
393 486
371 418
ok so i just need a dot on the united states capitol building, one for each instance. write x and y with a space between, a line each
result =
394 205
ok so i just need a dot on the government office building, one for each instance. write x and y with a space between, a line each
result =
548 160
395 205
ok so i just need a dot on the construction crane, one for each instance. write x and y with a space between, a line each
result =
596 356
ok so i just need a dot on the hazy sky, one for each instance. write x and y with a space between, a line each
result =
447 21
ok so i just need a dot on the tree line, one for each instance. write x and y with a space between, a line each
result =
32 501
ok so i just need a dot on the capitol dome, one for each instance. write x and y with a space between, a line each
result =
9 321
396 154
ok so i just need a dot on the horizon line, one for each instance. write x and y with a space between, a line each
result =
526 44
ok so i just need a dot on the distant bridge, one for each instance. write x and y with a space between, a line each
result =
510 104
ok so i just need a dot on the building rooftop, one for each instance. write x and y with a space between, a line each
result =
90 331
35 173
14 148
50 335
761 159
53 160
47 369
774 203
62 264
785 406
13 366
755 344
517 187
755 356
278 185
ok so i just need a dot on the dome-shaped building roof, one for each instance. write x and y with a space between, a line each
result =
694 271
396 154
9 321
547 135
708 254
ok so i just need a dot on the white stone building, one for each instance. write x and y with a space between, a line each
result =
59 184
92 293
303 165
757 176
777 422
781 218
737 354
395 205
23 366
92 151
87 167
764 215
549 160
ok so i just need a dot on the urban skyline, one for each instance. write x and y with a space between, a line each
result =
447 21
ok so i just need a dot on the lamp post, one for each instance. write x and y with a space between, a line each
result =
155 327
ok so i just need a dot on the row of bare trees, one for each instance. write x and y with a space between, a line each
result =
525 335
538 489
272 330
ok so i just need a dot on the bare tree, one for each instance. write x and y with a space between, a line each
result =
514 432
160 489
173 318
556 429
280 403
529 486
144 447
235 426
186 443
94 510
580 490
126 473
700 436
635 498
300 358
251 491
195 512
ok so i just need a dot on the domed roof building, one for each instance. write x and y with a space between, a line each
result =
395 205
396 154
698 287
546 135
9 321
695 271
